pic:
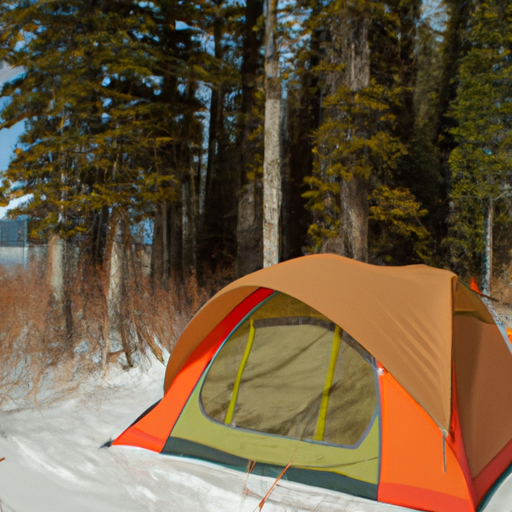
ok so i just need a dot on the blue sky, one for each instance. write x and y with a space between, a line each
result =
8 138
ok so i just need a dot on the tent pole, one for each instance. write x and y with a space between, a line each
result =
236 386
322 413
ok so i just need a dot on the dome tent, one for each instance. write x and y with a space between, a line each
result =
390 383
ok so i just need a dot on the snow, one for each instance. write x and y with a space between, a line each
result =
14 204
54 463
8 73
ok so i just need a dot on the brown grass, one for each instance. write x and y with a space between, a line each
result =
45 341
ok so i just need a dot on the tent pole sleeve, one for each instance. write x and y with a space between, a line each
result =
322 413
236 385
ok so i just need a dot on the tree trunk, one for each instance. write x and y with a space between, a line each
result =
67 303
250 215
354 217
487 259
157 247
166 256
56 267
118 322
351 36
99 236
249 256
303 118
217 240
215 119
113 342
189 225
59 276
272 155
176 239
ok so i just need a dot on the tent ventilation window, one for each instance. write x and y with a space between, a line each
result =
288 370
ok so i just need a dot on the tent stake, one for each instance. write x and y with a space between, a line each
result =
263 501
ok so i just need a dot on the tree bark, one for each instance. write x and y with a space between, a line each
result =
189 225
56 266
250 215
350 35
215 118
354 217
176 239
487 259
303 118
98 236
156 271
118 330
272 155
249 256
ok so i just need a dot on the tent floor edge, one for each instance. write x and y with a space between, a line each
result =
323 479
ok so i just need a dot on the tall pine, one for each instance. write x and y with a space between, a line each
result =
480 164
367 77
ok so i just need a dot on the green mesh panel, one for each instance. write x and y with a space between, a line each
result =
285 376
353 396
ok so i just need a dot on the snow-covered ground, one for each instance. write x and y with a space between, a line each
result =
54 463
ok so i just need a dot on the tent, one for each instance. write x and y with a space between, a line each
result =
390 383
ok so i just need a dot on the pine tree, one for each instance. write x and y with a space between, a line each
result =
224 22
367 93
480 164
108 128
450 46
249 254
78 97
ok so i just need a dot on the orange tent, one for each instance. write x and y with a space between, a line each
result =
384 382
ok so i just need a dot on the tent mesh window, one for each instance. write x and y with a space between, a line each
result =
290 371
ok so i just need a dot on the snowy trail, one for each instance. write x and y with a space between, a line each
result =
53 463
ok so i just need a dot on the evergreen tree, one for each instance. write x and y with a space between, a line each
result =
365 125
420 169
249 254
224 22
99 96
480 164
302 116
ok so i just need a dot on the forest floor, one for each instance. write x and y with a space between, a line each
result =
54 463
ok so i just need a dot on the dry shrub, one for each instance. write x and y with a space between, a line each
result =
502 291
159 315
48 344
26 345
